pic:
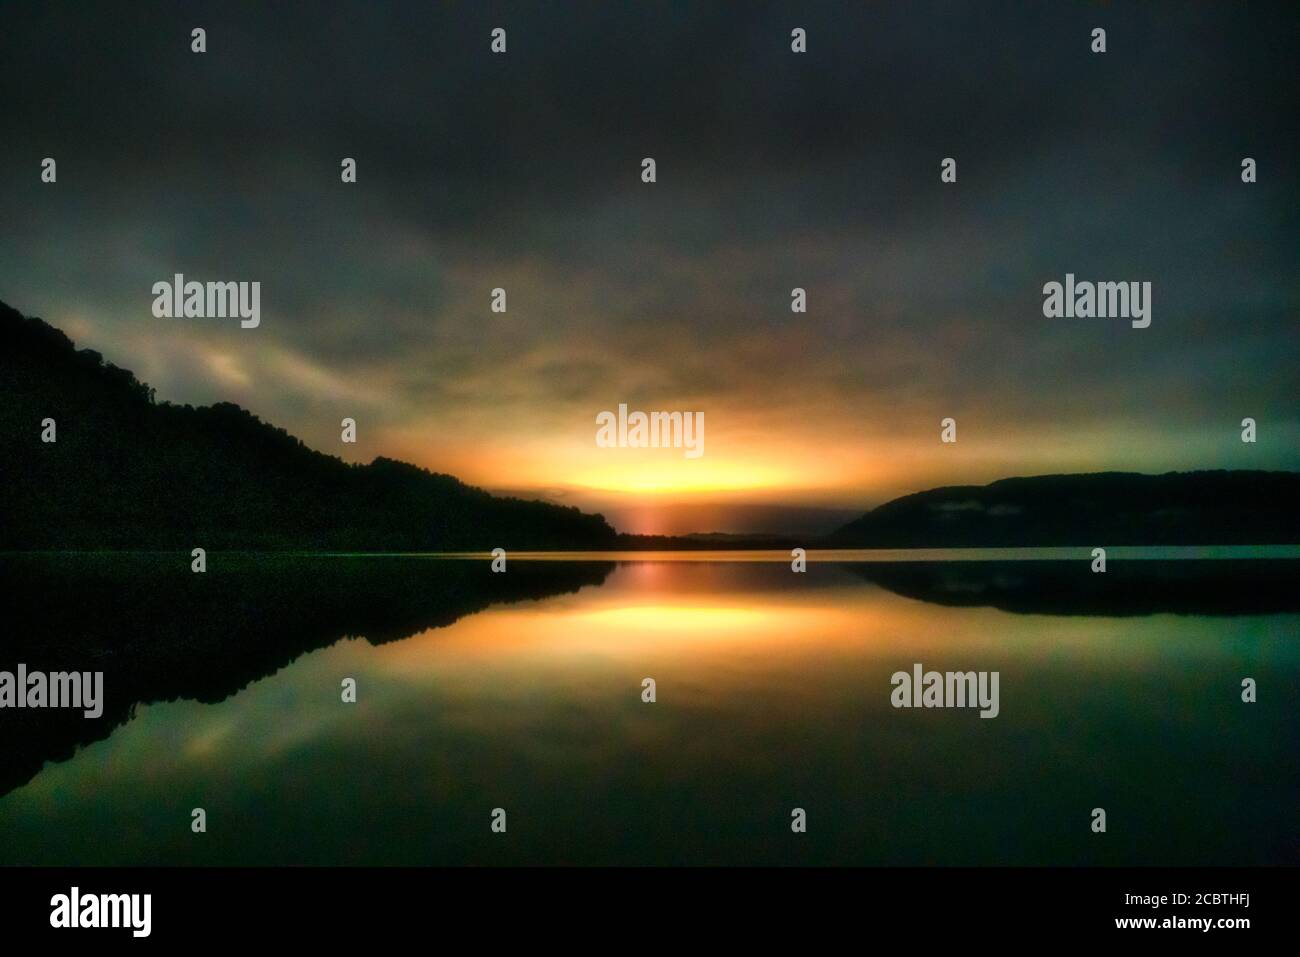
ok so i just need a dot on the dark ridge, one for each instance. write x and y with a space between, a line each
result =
1105 508
130 472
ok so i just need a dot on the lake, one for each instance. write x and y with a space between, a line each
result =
524 691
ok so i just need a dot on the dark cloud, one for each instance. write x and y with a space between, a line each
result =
775 170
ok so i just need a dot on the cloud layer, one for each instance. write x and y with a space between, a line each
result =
775 170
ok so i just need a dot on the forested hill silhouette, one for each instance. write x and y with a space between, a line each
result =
1105 508
130 472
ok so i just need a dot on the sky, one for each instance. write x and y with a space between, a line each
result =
775 170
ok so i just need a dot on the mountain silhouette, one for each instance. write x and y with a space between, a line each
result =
1105 508
130 472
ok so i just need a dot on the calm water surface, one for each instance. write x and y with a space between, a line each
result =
773 693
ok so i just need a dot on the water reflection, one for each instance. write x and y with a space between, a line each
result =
160 632
523 691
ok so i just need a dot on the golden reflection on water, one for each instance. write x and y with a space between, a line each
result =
637 616
772 688
826 555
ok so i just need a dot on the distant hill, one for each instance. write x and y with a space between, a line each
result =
709 541
130 472
1106 508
